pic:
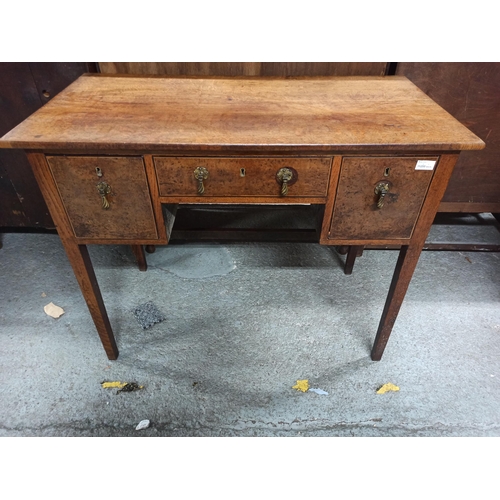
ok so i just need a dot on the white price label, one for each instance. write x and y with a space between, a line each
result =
425 165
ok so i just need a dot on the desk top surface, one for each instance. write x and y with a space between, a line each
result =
120 113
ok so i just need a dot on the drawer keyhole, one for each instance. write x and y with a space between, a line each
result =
386 172
242 172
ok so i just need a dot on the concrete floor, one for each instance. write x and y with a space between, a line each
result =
245 321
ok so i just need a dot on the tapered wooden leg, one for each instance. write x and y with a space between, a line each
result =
77 254
407 261
82 266
409 254
353 252
140 257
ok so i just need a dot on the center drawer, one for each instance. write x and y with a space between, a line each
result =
242 177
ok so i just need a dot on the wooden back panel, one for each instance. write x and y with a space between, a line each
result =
471 93
246 68
24 88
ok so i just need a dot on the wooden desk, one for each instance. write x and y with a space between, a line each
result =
114 155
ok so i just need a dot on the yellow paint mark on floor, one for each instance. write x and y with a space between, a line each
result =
302 385
111 385
387 387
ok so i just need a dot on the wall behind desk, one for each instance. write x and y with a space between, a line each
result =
468 91
248 68
471 93
24 88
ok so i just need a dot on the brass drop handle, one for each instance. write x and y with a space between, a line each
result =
284 176
103 188
381 189
200 174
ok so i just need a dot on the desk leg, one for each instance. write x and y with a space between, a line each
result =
409 254
77 254
407 261
353 252
140 256
84 272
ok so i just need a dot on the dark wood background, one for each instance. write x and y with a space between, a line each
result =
468 91
24 88
248 68
471 93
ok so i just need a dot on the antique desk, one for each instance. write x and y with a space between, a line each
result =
114 155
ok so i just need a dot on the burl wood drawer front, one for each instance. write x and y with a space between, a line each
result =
240 177
130 213
357 214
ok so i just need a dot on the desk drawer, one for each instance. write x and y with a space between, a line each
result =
126 212
356 214
242 177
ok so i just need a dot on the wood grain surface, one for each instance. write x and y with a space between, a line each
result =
181 114
471 93
409 254
78 254
21 203
247 68
181 117
130 216
235 177
355 214
24 88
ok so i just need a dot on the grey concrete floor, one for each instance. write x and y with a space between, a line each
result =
245 321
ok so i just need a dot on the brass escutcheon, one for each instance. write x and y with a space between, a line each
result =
103 188
200 174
